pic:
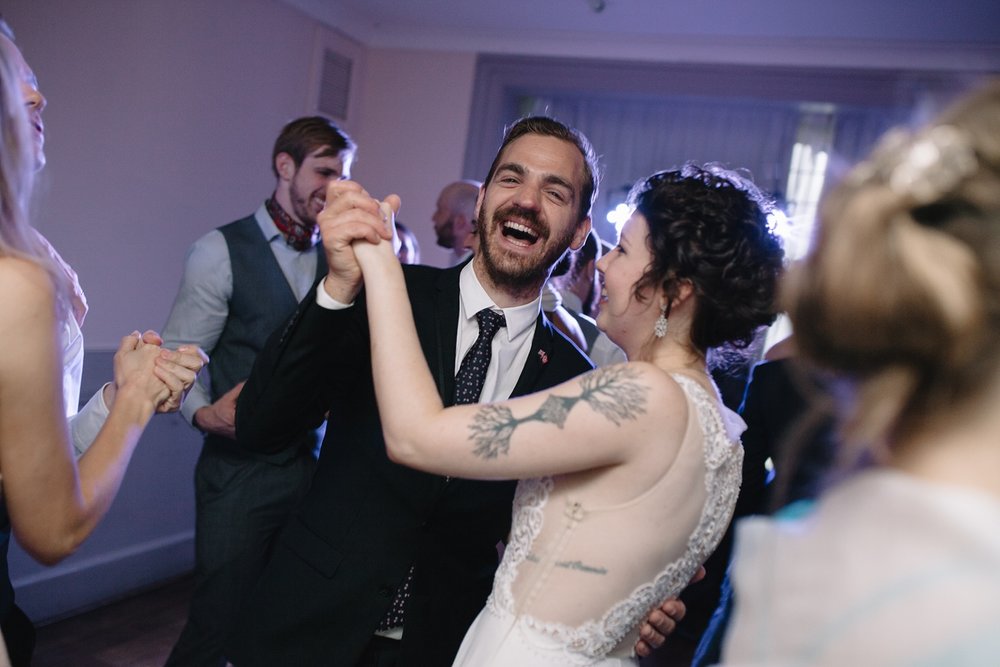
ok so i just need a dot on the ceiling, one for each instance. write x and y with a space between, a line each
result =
693 30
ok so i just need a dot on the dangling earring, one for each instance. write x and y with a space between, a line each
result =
660 326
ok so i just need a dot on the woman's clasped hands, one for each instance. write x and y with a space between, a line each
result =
161 375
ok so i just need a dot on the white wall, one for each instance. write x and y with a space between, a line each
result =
412 140
161 118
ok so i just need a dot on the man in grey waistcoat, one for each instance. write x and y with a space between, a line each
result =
241 282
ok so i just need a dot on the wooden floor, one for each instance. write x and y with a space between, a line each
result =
135 632
140 631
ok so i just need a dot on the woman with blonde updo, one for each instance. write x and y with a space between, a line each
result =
899 563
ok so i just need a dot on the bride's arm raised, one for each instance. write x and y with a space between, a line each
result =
601 418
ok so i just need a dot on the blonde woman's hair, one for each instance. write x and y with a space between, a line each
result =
17 174
901 290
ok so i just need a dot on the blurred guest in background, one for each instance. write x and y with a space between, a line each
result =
900 562
409 246
455 219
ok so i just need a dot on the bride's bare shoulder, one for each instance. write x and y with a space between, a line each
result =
662 390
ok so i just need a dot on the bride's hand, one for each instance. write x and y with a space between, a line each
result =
375 256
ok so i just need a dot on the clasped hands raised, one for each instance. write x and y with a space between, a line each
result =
351 220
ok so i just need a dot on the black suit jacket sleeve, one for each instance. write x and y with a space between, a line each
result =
298 373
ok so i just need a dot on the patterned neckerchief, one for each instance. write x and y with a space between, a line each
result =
297 234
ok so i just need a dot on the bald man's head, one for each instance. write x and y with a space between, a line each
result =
455 213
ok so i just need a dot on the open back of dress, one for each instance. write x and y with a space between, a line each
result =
578 577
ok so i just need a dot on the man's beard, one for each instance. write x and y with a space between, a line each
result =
300 207
520 274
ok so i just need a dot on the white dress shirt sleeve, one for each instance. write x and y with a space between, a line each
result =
324 300
86 424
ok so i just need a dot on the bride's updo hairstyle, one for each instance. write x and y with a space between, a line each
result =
709 227
901 290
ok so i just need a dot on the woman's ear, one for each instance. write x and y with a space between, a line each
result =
684 290
676 294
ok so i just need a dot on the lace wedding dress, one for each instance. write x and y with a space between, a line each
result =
579 576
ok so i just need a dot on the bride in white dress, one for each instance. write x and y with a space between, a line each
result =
630 472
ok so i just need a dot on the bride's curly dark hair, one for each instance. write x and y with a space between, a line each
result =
708 226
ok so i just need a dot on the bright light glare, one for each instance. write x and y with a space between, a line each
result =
619 216
778 222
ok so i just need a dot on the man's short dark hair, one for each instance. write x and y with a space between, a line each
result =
303 136
550 127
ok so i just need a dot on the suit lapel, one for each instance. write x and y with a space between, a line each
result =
438 331
437 321
538 358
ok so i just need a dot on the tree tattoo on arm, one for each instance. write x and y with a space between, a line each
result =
613 392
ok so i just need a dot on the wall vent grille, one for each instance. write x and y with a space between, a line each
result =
335 85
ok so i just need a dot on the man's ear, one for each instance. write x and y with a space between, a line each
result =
479 202
285 166
580 235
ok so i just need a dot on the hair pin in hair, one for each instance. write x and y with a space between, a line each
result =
933 163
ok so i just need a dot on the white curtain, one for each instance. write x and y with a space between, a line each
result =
635 137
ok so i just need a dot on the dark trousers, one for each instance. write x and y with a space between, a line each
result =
380 652
240 502
19 635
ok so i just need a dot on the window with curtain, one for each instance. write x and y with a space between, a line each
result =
642 117
635 137
794 130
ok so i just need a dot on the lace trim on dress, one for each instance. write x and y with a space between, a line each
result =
529 499
596 639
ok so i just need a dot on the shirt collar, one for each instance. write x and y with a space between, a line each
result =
271 231
266 224
571 301
474 298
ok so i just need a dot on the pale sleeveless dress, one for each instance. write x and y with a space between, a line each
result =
886 569
577 579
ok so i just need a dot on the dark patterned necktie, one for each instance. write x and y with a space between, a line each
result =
472 373
468 386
